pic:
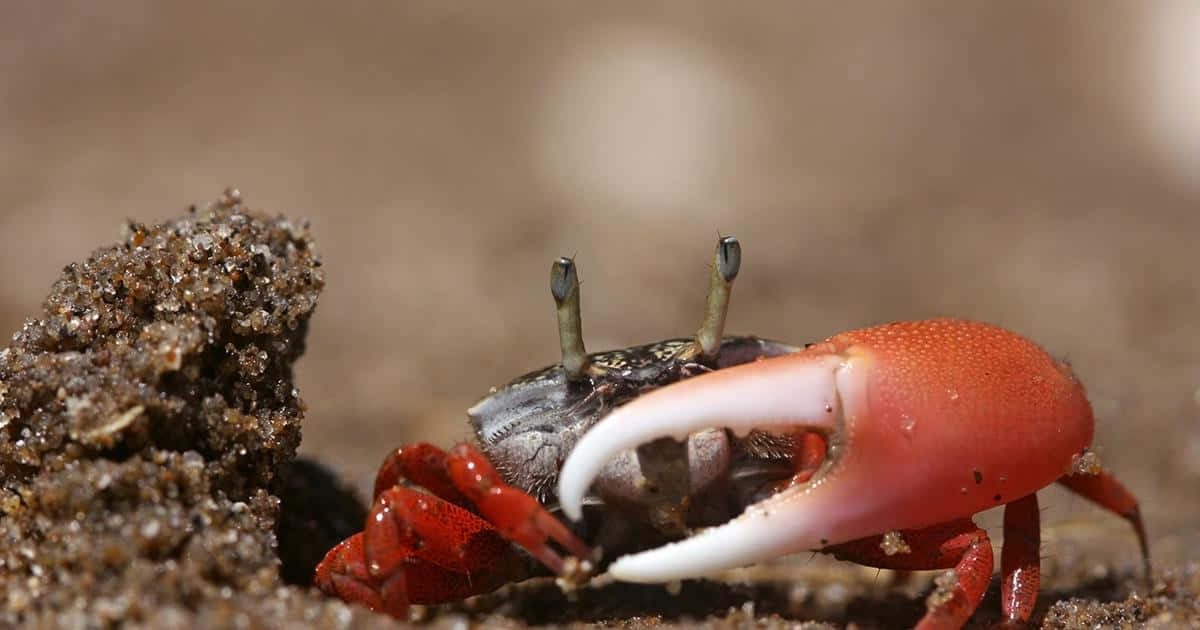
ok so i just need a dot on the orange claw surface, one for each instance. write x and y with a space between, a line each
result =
927 424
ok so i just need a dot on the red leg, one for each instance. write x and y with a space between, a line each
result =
426 549
959 544
417 548
405 524
808 453
808 456
1020 560
517 516
422 464
1105 491
343 574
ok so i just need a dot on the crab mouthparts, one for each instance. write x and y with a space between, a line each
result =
794 392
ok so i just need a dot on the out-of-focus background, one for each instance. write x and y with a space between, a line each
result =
1030 164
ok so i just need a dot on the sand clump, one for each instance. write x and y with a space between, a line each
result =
148 420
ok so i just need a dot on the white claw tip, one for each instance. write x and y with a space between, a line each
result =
571 503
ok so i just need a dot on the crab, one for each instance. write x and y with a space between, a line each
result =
689 456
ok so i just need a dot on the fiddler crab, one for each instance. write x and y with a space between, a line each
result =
689 456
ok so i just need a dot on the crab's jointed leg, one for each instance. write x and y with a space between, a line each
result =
420 548
417 549
515 514
959 544
343 573
1104 490
964 547
420 464
1020 560
464 477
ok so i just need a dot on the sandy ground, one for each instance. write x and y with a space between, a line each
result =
1005 164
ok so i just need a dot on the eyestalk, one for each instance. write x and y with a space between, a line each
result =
727 260
564 286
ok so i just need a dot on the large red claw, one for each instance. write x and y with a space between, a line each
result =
927 422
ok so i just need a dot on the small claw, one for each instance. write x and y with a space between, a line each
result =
517 516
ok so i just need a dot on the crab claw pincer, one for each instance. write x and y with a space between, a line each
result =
927 422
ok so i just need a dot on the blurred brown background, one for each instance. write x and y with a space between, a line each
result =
1029 164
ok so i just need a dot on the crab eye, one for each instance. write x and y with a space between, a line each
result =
729 257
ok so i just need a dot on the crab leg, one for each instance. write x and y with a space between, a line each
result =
515 515
927 422
1104 490
464 478
422 464
960 545
417 549
431 548
1020 560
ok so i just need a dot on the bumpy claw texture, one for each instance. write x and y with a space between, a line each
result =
927 423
